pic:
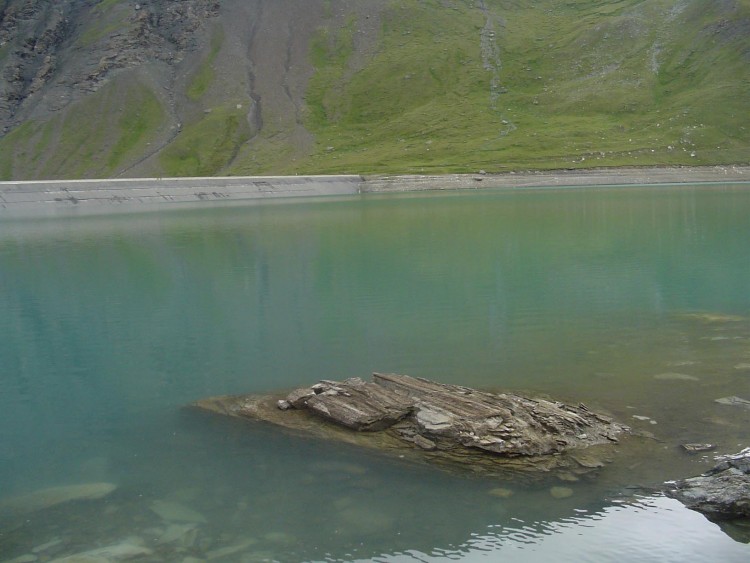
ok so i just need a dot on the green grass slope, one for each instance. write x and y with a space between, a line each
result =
559 84
92 138
204 147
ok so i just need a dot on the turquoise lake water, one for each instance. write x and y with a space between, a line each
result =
635 301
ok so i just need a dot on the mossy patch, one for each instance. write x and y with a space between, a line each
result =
206 147
204 76
138 120
110 16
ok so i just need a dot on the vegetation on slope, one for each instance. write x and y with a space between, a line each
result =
91 138
205 147
204 76
544 85
450 86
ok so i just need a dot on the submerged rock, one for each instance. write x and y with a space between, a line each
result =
501 492
671 376
697 448
712 318
561 492
230 550
734 402
28 558
127 549
177 533
443 424
723 492
53 496
176 512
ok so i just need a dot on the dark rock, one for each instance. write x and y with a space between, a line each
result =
723 492
449 425
76 46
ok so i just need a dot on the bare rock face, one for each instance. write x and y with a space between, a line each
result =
75 45
722 493
449 425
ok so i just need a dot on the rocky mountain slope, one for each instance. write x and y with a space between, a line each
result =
100 88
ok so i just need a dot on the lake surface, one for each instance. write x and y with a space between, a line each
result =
635 301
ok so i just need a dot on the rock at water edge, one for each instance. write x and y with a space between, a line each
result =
723 492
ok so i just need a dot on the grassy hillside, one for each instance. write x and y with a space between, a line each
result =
448 86
91 138
582 83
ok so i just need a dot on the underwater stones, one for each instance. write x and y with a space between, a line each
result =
734 402
47 546
28 558
178 533
279 537
712 318
683 363
501 492
53 496
723 492
230 549
127 549
697 448
670 376
363 521
561 492
587 459
448 425
176 512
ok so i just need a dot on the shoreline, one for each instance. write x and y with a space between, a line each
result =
105 196
604 177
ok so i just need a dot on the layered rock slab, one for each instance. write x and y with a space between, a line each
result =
449 425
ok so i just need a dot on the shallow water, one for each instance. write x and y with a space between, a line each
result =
634 301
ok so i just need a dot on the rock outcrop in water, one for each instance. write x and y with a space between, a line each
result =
723 492
449 425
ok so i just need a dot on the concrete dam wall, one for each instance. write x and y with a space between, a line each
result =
80 197
53 197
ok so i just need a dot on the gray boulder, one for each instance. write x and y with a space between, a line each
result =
721 493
